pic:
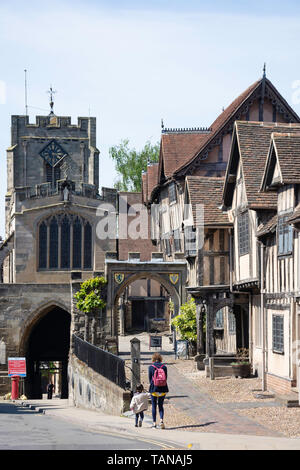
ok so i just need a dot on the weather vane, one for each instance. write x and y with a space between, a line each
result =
51 93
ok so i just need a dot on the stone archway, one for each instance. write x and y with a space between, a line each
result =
45 344
119 319
120 274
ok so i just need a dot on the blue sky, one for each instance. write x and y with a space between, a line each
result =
131 63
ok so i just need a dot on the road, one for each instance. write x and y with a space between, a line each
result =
25 429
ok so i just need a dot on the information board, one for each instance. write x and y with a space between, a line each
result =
17 366
155 341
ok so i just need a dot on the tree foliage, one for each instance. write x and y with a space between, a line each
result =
130 163
90 295
185 323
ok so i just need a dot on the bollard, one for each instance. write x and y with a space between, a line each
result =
15 387
211 368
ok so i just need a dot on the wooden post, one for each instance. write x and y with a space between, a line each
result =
135 363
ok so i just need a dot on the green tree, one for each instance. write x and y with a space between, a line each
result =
185 323
89 297
130 163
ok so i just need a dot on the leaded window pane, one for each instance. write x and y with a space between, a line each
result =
87 246
77 241
53 255
177 240
277 333
219 321
65 243
284 236
243 233
231 323
43 251
172 193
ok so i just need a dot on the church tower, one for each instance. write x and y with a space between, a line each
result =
52 198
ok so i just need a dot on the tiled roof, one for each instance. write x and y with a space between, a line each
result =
295 217
287 147
207 191
254 142
267 227
221 120
178 148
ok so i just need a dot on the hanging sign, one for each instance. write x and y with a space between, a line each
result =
17 366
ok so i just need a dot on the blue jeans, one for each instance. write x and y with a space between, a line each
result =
160 402
139 415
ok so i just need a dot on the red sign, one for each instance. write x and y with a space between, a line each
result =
17 366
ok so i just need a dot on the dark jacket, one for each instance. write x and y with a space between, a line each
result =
154 388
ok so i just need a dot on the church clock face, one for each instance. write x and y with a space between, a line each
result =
53 153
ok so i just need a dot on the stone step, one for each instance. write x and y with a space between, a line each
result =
290 400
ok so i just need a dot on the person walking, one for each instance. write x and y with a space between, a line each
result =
50 389
139 404
158 374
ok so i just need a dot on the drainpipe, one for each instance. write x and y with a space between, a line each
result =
262 309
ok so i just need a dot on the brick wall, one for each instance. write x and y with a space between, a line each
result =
279 385
128 245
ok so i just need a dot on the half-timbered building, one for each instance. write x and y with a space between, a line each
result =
260 194
191 168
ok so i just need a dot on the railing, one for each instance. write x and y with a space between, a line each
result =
104 363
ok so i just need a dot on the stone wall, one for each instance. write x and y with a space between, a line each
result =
88 389
21 306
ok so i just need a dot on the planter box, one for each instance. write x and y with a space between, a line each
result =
241 370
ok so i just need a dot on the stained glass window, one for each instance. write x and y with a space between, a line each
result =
43 246
65 243
63 254
53 257
87 246
77 241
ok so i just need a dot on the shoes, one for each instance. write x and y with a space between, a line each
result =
153 425
140 423
162 426
136 425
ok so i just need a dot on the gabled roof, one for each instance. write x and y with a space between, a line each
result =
177 148
251 144
285 153
207 191
233 111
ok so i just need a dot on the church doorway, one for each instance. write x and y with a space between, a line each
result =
47 354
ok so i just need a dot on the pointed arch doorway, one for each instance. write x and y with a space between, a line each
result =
46 349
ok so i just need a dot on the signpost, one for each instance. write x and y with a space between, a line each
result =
16 369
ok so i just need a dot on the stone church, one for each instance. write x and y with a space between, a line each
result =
51 210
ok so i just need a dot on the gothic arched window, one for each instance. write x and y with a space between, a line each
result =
65 242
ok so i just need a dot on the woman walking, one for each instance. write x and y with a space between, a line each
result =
158 389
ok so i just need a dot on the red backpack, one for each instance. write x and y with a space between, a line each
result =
159 377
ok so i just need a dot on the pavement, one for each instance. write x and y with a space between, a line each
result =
97 421
230 431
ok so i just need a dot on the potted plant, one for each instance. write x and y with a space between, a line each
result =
242 367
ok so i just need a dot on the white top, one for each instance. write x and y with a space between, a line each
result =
139 402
